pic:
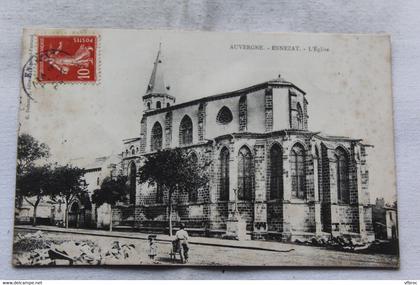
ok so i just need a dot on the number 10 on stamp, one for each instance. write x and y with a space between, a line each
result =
67 58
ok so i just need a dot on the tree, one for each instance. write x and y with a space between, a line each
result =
29 150
113 190
34 182
172 169
67 182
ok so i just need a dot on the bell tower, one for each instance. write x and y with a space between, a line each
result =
157 96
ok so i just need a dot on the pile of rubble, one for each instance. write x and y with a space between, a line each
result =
71 252
29 242
119 253
336 243
36 235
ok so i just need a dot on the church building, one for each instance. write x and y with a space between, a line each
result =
282 180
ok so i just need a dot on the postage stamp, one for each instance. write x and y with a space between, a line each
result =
67 58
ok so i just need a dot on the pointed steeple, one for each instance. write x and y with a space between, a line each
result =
157 96
157 82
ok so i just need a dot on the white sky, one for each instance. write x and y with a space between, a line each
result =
348 89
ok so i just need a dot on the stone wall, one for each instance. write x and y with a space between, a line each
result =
152 212
123 216
286 217
275 216
300 217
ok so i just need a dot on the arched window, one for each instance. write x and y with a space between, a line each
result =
186 131
74 215
276 174
245 174
299 116
224 174
132 181
168 105
148 105
224 116
158 105
156 139
193 193
297 160
342 165
75 208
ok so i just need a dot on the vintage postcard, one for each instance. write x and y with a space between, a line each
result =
201 148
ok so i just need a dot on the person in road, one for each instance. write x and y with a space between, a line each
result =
182 237
152 248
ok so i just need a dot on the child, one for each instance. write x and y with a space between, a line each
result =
152 247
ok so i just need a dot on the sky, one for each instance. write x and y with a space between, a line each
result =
347 83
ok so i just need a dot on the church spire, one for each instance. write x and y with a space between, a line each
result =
157 96
157 82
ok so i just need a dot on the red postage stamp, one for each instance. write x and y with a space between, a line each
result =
67 58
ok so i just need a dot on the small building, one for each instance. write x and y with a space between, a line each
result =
385 220
82 212
44 214
391 223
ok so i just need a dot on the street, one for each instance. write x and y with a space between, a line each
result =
270 254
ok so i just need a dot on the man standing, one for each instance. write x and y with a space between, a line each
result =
182 238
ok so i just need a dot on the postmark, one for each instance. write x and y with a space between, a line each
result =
67 58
